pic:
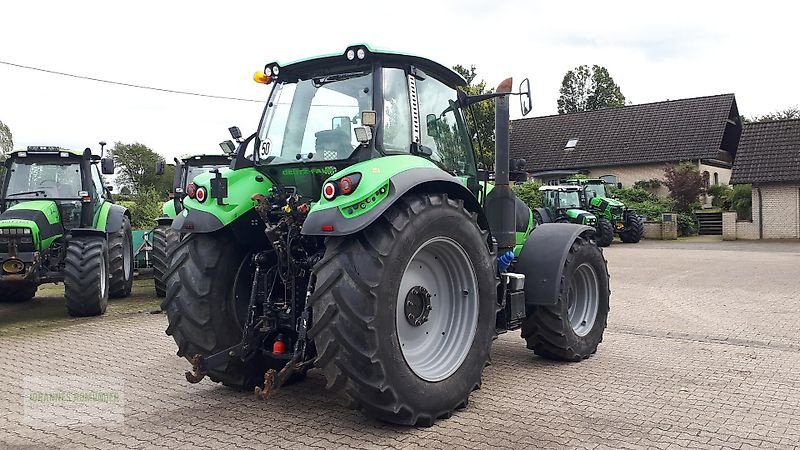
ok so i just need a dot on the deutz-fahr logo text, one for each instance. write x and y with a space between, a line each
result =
328 170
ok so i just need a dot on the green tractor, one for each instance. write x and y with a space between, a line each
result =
164 237
58 223
561 204
613 216
357 236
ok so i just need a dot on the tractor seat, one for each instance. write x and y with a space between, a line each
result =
333 144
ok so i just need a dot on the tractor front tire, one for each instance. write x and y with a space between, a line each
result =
165 239
604 232
200 305
86 276
634 230
17 292
120 261
404 311
572 329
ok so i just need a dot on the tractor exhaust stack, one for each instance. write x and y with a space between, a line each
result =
502 223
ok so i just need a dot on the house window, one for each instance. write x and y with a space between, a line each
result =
716 177
610 179
706 180
571 144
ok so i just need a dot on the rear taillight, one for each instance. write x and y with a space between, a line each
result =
191 189
200 195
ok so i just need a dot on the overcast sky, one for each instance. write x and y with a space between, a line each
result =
655 51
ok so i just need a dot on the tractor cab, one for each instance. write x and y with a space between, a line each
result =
63 187
563 204
328 113
185 171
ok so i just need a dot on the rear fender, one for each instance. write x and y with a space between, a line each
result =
342 216
215 213
542 260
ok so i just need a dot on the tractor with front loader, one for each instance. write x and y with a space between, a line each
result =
164 237
354 233
612 214
58 223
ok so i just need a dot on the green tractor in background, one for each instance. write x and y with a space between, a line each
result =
561 204
58 223
356 235
164 237
612 214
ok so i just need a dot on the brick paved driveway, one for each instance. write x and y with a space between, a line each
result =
701 352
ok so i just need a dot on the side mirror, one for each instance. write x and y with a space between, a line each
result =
235 132
227 147
160 167
525 102
430 124
107 166
342 122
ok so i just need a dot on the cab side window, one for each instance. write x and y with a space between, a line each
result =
99 189
442 127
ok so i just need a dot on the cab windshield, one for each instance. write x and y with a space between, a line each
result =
569 199
595 190
313 120
34 177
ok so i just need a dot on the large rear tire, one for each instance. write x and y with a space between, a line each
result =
604 232
201 304
634 230
572 329
120 261
86 276
165 239
379 345
17 292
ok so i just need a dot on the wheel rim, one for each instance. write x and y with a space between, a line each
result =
126 256
583 299
103 279
435 341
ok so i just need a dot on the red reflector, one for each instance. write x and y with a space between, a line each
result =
327 228
328 191
201 194
278 347
346 185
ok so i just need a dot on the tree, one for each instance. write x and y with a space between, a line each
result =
136 163
482 127
588 89
685 185
6 140
792 112
6 145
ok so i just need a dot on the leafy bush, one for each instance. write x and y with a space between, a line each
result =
721 193
685 185
644 203
653 183
687 226
529 193
741 201
145 207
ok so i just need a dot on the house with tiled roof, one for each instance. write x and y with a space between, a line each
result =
769 158
631 143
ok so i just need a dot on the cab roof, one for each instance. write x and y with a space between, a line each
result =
306 68
47 149
561 188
